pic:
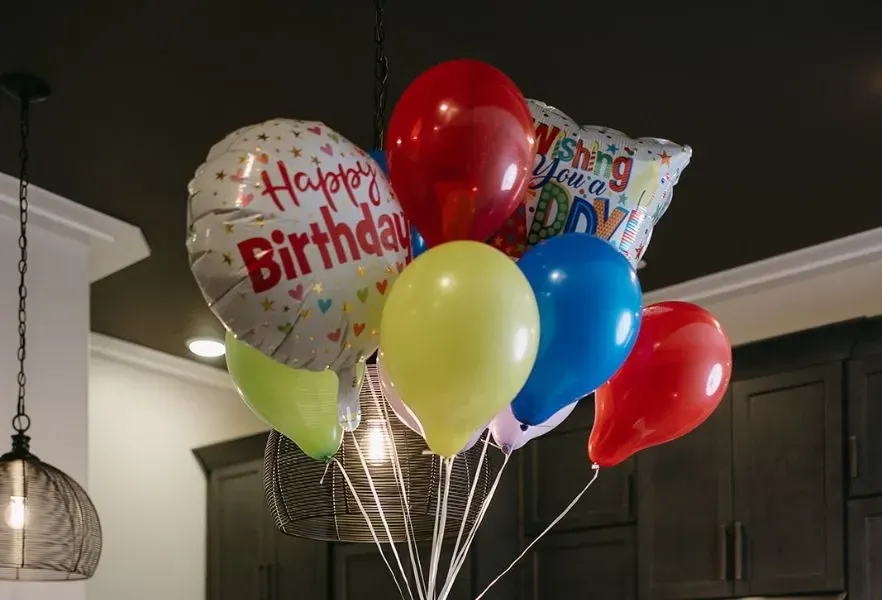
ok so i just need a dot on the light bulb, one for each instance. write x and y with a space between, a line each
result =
376 443
17 512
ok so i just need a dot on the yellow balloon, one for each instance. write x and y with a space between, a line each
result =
459 334
300 404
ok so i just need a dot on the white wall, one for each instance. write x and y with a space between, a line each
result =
147 411
58 333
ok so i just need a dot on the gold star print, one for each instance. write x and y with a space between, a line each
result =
304 314
334 137
260 222
316 161
374 332
390 269
228 227
346 307
267 304
243 159
296 152
286 308
665 158
295 133
278 138
262 137
360 271
228 259
317 288
220 175
347 346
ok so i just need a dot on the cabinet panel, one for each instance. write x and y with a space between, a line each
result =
865 549
589 565
361 574
684 506
864 422
238 534
549 487
788 501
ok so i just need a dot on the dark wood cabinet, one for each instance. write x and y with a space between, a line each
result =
865 549
595 564
361 574
788 486
751 503
549 486
248 559
685 511
864 424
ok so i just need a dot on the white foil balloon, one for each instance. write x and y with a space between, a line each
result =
295 237
512 435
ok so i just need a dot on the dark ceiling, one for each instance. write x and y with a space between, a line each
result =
781 101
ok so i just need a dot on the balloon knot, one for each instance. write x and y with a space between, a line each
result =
506 448
524 427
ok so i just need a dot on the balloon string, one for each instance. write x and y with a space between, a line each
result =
563 514
460 560
382 513
370 525
468 507
441 526
410 534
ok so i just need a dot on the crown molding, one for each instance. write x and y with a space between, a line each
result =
113 244
822 284
142 357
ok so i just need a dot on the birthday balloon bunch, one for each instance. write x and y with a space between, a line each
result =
493 268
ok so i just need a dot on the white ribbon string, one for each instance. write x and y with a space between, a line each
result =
370 525
382 514
544 531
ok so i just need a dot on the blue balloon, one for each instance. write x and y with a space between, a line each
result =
417 243
380 157
589 309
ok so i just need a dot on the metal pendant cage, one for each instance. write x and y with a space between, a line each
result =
50 529
306 501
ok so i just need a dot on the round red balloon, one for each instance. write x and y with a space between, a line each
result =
460 151
674 378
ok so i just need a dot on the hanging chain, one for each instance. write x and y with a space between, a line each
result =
381 74
21 422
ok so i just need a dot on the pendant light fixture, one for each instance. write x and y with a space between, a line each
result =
50 529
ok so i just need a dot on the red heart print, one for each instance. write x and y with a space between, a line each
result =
382 285
297 293
264 158
334 336
238 177
327 149
399 266
315 130
245 200
358 328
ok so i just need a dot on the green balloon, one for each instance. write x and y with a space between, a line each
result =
300 404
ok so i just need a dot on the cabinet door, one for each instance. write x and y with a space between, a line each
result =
556 467
238 535
864 422
300 569
684 506
361 574
598 564
865 549
788 492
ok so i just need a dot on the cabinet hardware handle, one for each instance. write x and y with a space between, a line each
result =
739 551
724 552
853 456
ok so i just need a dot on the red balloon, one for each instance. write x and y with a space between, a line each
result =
460 151
674 378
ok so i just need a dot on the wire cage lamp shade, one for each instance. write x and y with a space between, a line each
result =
306 501
50 529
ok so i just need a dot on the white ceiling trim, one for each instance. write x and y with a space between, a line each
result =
141 357
114 244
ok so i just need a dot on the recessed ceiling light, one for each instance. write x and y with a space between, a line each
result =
206 347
